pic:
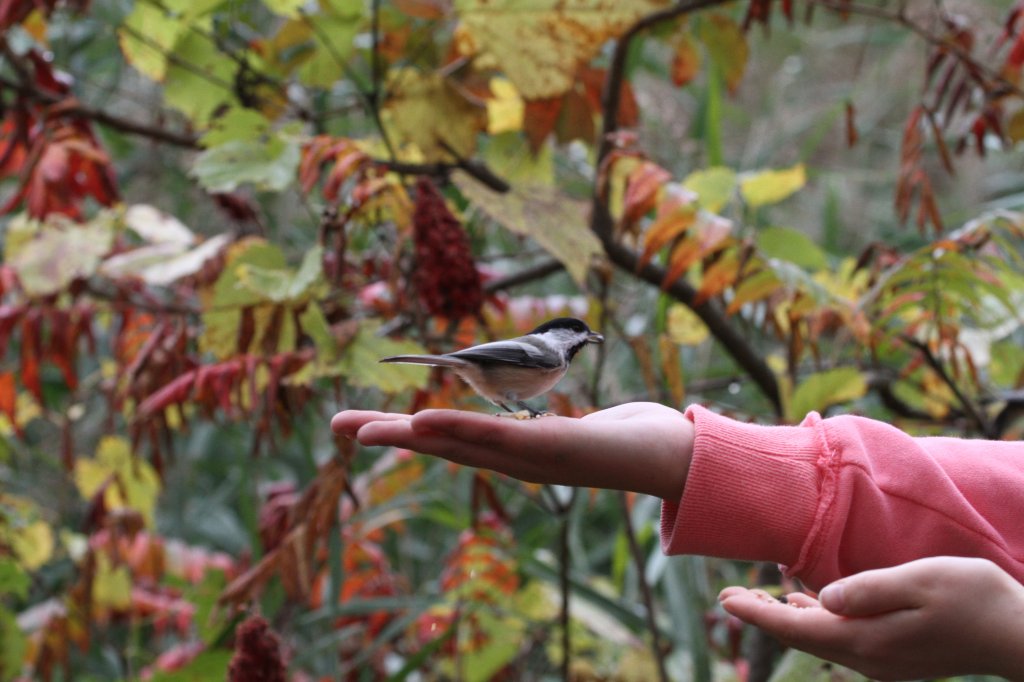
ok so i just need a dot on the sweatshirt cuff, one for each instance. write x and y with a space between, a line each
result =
752 491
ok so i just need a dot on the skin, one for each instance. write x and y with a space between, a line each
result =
934 617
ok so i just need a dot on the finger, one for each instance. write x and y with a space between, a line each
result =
347 423
401 434
877 591
804 628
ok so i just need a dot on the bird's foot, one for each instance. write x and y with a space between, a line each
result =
523 415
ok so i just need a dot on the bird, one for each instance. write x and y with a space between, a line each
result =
513 371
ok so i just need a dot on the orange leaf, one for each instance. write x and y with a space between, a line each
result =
642 191
711 235
718 277
686 60
664 229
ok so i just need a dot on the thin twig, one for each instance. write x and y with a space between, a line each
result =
645 590
530 274
970 409
900 17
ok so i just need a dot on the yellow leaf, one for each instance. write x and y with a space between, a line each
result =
32 544
618 180
684 327
772 186
1015 127
556 222
112 585
505 110
425 110
29 537
714 187
561 35
133 483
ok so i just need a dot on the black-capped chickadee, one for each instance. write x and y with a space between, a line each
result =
509 372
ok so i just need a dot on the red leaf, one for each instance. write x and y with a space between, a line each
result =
8 396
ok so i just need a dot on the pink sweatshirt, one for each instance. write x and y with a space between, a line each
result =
837 496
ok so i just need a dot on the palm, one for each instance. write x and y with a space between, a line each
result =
629 446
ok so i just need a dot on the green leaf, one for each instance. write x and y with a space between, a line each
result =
206 667
285 8
201 79
714 187
334 33
12 645
360 362
270 165
147 36
280 285
236 125
13 580
823 389
772 186
791 245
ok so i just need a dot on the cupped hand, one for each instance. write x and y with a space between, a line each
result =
642 447
934 617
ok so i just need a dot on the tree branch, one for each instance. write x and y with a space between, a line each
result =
735 343
71 105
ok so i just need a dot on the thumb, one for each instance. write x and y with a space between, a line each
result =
872 592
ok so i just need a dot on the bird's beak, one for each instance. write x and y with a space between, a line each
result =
594 337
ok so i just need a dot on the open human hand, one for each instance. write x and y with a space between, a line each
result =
642 447
933 617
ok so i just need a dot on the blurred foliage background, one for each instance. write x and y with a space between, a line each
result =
218 215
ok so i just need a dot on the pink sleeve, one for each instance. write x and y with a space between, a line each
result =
837 496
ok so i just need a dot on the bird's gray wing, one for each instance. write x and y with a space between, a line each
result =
511 352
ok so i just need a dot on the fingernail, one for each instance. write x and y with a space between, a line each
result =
833 597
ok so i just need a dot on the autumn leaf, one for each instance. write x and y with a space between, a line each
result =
684 327
727 46
664 229
686 59
543 213
426 110
126 480
22 529
562 36
718 276
772 186
506 109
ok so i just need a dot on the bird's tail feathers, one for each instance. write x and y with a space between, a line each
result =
433 360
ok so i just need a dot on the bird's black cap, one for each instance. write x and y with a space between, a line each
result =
570 323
